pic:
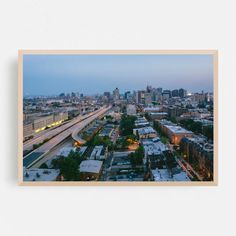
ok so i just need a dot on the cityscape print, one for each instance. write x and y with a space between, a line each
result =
118 118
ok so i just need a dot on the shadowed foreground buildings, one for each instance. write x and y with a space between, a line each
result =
198 153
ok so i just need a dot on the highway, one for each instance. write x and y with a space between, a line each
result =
48 134
30 159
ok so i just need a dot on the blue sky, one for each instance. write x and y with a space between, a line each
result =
91 74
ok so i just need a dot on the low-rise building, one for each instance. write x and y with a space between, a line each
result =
131 110
175 111
41 122
198 153
154 152
107 131
164 175
122 170
158 115
36 174
174 132
99 153
65 151
152 109
145 132
27 130
60 116
90 170
141 122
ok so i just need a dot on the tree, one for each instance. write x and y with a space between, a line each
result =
127 124
194 126
136 158
69 166
201 105
69 169
147 116
35 146
208 132
132 136
164 139
159 130
44 166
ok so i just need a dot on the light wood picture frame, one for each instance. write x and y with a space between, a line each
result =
96 179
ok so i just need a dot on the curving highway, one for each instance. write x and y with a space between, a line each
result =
30 159
48 134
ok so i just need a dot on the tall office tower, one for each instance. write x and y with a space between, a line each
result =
140 97
175 93
166 94
159 90
158 94
182 93
147 99
107 94
149 88
127 95
116 95
154 94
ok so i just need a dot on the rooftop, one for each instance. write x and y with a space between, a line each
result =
91 166
154 148
152 109
65 151
177 129
159 113
40 174
145 130
164 175
97 152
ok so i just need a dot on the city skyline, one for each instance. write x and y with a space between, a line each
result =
100 73
118 118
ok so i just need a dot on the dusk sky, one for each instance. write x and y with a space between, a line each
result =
92 74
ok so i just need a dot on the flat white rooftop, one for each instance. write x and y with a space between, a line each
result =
177 129
159 113
154 148
91 166
152 109
182 176
164 175
40 174
145 130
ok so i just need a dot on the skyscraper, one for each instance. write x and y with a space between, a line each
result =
182 93
116 95
140 97
175 93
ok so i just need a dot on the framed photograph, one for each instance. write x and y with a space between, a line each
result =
118 117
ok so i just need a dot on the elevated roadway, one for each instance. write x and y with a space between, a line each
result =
32 158
48 134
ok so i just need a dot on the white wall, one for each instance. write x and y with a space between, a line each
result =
104 24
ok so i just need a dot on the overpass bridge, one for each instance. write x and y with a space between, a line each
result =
75 134
38 154
50 133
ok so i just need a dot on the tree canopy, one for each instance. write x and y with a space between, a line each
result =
69 166
127 124
136 158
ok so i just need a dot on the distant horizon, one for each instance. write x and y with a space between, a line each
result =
50 75
121 93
